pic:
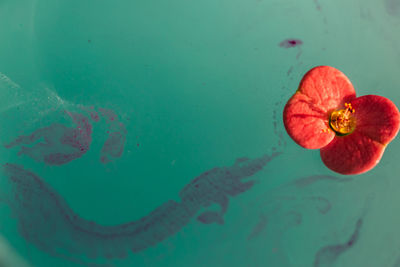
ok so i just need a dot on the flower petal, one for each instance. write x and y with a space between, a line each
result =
327 87
352 154
376 117
306 124
306 115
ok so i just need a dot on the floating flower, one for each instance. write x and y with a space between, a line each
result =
351 132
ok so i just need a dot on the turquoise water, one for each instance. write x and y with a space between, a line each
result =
149 133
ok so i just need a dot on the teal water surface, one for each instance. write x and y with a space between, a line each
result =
149 133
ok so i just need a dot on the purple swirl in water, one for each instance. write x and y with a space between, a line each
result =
290 43
45 219
57 144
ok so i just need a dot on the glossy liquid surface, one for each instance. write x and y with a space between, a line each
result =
149 133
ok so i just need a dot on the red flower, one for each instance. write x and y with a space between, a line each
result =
351 133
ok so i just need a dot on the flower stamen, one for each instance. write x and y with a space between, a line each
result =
341 121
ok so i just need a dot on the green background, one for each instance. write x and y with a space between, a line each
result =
197 83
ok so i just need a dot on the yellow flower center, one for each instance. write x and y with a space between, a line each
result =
342 121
